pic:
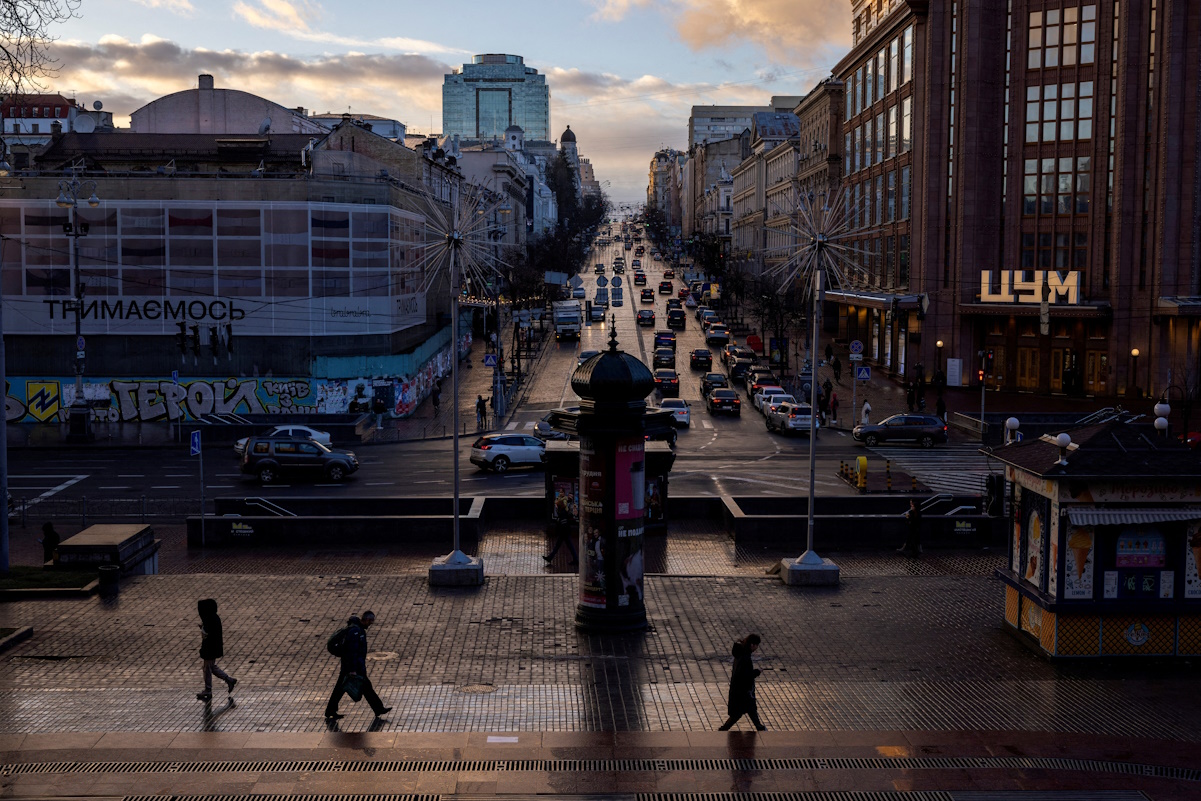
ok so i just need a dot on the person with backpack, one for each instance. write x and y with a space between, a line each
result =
349 644
212 648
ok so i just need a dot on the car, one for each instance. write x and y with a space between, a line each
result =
665 339
290 431
683 293
681 411
619 268
585 355
710 381
667 383
658 257
579 293
639 279
669 273
700 311
785 417
738 368
544 431
736 351
665 288
759 376
600 269
764 396
723 400
924 429
676 319
598 313
663 357
717 335
769 404
700 359
674 303
270 457
648 296
646 316
499 452
636 263
707 318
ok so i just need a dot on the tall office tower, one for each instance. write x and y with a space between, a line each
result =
493 92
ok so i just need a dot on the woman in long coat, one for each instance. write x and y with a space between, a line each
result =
742 684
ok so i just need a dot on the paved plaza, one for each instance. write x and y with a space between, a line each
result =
901 679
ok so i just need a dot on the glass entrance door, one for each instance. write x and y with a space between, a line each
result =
1027 378
1096 373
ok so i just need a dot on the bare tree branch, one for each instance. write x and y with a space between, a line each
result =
25 41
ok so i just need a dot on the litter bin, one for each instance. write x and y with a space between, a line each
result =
109 579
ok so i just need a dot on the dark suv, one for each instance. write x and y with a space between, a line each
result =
924 429
269 457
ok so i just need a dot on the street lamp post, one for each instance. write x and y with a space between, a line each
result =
1134 372
938 356
69 193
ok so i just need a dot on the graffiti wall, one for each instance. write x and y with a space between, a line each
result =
149 400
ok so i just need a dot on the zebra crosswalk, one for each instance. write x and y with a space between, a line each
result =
958 469
528 425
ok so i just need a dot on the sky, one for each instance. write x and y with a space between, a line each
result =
622 73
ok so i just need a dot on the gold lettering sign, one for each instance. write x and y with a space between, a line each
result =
1064 286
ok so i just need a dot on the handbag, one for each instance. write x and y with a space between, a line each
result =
352 685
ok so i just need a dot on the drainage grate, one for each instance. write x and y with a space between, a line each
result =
836 795
615 766
279 797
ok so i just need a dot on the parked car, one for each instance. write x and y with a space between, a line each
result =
270 457
663 357
681 411
717 334
288 431
790 417
499 452
648 296
711 381
700 359
667 383
723 400
646 316
676 319
584 356
924 429
665 339
639 279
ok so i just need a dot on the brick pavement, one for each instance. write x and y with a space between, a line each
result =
906 659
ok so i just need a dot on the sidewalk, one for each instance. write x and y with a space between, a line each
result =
898 680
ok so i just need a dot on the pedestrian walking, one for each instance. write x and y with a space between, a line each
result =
940 408
350 645
913 539
834 408
212 648
564 531
742 684
910 396
50 541
481 411
829 352
837 365
865 418
436 396
492 342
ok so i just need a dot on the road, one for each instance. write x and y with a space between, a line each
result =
716 455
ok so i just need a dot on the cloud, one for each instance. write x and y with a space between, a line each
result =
288 16
181 7
616 10
790 31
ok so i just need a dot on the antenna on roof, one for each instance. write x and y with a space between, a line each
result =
264 126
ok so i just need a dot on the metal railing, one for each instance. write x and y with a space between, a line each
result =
87 510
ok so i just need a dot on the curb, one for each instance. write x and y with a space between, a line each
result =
41 593
18 636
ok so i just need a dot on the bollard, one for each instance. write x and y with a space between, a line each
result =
110 576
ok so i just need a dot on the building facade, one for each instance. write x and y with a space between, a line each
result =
491 93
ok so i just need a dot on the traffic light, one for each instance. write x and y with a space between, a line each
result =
195 340
181 338
988 360
980 376
214 341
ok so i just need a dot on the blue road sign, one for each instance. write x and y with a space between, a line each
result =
489 359
617 280
602 281
856 347
863 374
196 443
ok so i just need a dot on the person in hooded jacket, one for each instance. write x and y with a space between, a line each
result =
354 662
742 684
212 648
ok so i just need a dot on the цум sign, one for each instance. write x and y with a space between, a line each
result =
1064 286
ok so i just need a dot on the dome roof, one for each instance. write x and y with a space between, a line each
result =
567 136
514 128
613 376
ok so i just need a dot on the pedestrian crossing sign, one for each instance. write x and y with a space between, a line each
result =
863 374
489 359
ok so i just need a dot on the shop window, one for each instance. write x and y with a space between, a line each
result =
1027 327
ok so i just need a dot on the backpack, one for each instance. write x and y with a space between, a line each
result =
336 644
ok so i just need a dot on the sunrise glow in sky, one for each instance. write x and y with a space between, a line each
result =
622 73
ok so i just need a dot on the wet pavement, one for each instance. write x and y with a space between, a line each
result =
900 680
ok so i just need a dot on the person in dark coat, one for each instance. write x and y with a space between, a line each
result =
913 540
50 541
354 662
837 365
212 648
742 684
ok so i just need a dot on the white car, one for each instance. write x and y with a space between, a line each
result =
680 409
499 452
764 393
300 432
585 355
790 417
770 403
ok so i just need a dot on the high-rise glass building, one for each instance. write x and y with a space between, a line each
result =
493 92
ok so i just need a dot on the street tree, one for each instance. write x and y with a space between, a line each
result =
25 38
779 311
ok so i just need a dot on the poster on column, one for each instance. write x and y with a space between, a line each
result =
592 525
630 478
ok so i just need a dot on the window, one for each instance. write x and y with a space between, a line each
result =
846 155
1027 251
1062 37
858 90
879 199
850 95
880 137
891 149
1059 112
906 124
892 197
35 111
1030 187
907 55
58 111
869 88
881 72
894 65
858 147
905 192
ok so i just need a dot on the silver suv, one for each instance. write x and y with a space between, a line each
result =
270 457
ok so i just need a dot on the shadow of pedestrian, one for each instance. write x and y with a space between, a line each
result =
211 715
